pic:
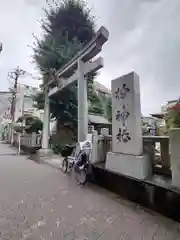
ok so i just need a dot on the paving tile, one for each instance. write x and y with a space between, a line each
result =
39 202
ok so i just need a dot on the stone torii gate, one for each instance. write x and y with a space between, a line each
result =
75 70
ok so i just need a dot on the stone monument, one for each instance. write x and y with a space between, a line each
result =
127 145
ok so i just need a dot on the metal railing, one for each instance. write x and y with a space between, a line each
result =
26 140
31 140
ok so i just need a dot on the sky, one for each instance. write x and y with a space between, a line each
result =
144 37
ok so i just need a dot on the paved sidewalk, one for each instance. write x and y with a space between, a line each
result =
40 202
6 149
54 161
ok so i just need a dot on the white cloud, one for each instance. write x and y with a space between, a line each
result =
18 22
144 36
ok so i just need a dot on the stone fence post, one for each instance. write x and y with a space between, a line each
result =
174 139
95 147
33 139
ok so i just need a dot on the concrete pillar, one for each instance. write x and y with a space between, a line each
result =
82 103
44 151
33 140
165 159
95 147
46 122
174 138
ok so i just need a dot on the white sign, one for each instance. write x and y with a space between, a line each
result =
126 115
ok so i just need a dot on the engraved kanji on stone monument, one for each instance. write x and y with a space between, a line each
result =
122 115
123 135
120 93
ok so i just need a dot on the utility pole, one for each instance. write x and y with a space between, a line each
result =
15 76
1 47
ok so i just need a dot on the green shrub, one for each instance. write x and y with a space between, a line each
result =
17 127
35 125
59 145
57 148
32 124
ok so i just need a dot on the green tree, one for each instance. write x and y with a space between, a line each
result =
68 27
109 109
95 104
172 117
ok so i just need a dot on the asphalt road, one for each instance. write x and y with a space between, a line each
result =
40 202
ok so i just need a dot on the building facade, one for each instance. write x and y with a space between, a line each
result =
25 102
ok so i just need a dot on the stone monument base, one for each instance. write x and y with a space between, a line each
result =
138 167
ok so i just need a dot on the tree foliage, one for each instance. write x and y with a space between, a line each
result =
32 124
173 117
67 28
95 104
109 109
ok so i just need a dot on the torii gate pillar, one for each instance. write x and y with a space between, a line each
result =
82 104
